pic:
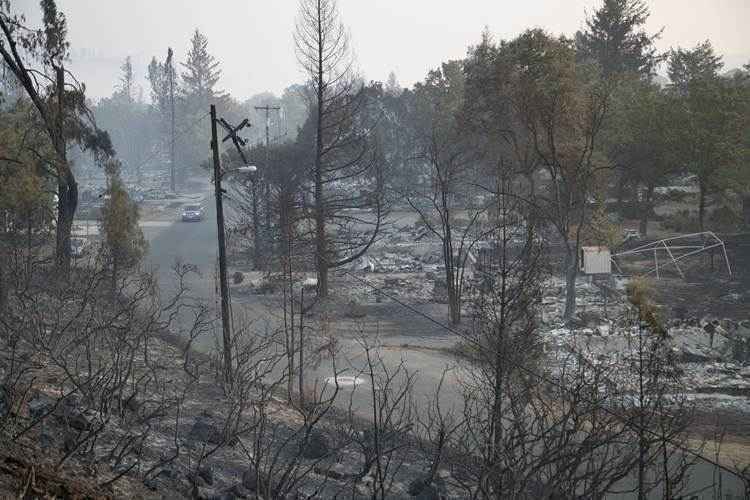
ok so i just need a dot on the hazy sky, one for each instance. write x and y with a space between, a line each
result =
253 38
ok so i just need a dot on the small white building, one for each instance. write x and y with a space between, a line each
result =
595 260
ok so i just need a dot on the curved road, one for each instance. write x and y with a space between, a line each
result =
195 243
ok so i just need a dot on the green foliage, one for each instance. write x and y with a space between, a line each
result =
614 38
25 203
25 191
158 75
711 123
698 65
642 128
641 295
126 80
438 103
55 32
124 244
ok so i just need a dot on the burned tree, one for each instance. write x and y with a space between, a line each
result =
449 157
345 167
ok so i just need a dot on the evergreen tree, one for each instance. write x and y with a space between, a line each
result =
201 75
127 84
392 87
124 243
614 37
158 79
710 126
692 66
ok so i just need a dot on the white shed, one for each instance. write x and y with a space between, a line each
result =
595 260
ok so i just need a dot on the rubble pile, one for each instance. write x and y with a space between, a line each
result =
713 354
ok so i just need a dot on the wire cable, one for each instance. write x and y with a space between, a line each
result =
547 380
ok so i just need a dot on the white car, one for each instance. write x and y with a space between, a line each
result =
192 213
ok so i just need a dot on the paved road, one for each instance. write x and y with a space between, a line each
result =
195 243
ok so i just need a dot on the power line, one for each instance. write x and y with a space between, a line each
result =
542 378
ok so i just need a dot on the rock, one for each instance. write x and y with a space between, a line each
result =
204 431
76 419
238 278
316 446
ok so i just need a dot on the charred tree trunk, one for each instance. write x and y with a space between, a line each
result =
701 204
452 275
571 273
3 286
67 202
646 207
67 188
320 219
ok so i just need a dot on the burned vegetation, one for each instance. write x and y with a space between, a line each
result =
524 276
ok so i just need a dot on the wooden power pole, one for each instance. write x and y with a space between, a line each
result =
225 317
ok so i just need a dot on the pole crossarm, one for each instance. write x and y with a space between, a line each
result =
233 131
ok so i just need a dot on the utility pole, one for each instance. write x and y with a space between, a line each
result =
267 186
226 319
170 71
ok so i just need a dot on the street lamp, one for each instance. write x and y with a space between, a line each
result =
245 169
